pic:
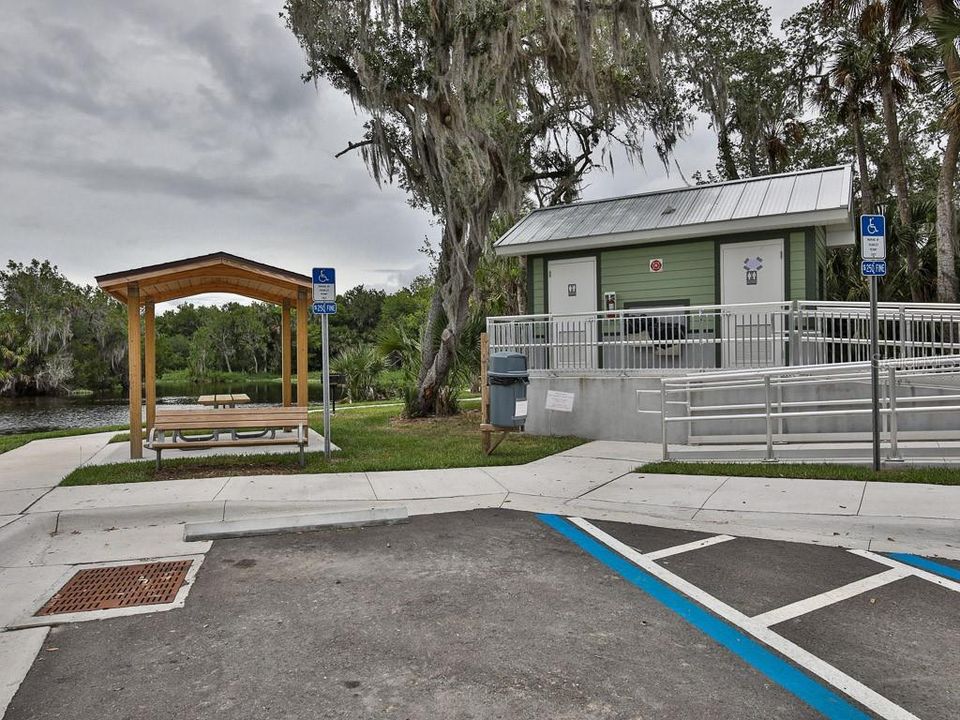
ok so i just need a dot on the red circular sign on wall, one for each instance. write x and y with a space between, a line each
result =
656 265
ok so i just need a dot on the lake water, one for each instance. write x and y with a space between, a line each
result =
33 414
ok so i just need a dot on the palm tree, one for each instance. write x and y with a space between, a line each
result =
844 92
901 60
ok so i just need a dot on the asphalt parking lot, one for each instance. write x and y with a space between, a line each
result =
499 614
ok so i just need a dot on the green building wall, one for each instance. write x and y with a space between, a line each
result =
690 275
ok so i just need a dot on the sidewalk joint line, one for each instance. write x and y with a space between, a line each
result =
863 494
707 499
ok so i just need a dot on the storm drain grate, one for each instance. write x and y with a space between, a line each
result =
119 586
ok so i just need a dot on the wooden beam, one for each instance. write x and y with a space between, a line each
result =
303 312
286 347
485 441
150 361
133 360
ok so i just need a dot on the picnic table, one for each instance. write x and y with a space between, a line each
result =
224 400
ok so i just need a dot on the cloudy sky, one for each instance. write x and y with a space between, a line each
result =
139 131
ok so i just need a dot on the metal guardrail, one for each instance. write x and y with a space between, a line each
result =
708 337
772 408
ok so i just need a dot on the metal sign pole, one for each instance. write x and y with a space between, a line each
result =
325 326
875 372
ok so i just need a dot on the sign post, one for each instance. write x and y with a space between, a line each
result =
873 250
324 305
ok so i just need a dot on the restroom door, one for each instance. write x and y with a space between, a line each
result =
571 289
751 273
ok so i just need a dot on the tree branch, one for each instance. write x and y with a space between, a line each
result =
353 146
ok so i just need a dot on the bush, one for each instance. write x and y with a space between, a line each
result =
361 367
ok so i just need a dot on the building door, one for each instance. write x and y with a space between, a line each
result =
751 274
571 291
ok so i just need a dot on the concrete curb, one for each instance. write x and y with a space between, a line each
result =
293 523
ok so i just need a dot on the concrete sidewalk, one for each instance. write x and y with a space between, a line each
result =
46 531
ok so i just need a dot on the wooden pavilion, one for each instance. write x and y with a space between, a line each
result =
219 272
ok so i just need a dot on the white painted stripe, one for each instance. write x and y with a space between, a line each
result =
687 547
870 699
910 569
808 605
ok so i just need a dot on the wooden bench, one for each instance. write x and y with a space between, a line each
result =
230 420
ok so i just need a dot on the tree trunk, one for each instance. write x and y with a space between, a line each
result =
867 204
892 125
947 287
726 152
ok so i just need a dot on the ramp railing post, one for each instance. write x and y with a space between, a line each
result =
892 411
663 419
769 414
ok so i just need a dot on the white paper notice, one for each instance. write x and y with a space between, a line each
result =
562 401
521 409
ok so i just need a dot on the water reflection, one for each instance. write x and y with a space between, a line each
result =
31 414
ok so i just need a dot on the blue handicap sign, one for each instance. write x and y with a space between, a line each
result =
324 276
324 308
873 268
873 226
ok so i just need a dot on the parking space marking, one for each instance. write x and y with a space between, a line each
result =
670 589
687 547
923 563
808 605
915 571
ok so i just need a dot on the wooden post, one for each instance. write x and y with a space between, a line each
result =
484 394
286 345
133 359
150 362
303 310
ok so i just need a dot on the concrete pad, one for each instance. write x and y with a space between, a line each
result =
559 476
78 547
814 497
437 506
683 491
6 519
20 539
17 652
24 589
87 497
298 488
120 452
667 512
239 509
14 502
25 474
911 500
139 516
451 482
617 450
253 527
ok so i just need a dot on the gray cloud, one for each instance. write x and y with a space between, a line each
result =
142 132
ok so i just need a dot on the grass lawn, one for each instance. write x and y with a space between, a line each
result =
11 442
371 439
823 471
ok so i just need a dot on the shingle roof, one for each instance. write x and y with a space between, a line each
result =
809 197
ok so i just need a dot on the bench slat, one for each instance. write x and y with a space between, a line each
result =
221 443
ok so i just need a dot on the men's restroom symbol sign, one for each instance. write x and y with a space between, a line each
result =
752 266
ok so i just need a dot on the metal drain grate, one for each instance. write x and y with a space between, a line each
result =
119 586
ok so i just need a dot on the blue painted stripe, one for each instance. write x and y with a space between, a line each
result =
817 696
923 563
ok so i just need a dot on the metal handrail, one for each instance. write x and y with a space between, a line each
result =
892 371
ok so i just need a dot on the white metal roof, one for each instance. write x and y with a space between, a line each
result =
770 202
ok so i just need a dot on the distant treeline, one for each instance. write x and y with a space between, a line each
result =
56 336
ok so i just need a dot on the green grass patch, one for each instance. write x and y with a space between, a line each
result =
371 439
817 471
12 442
